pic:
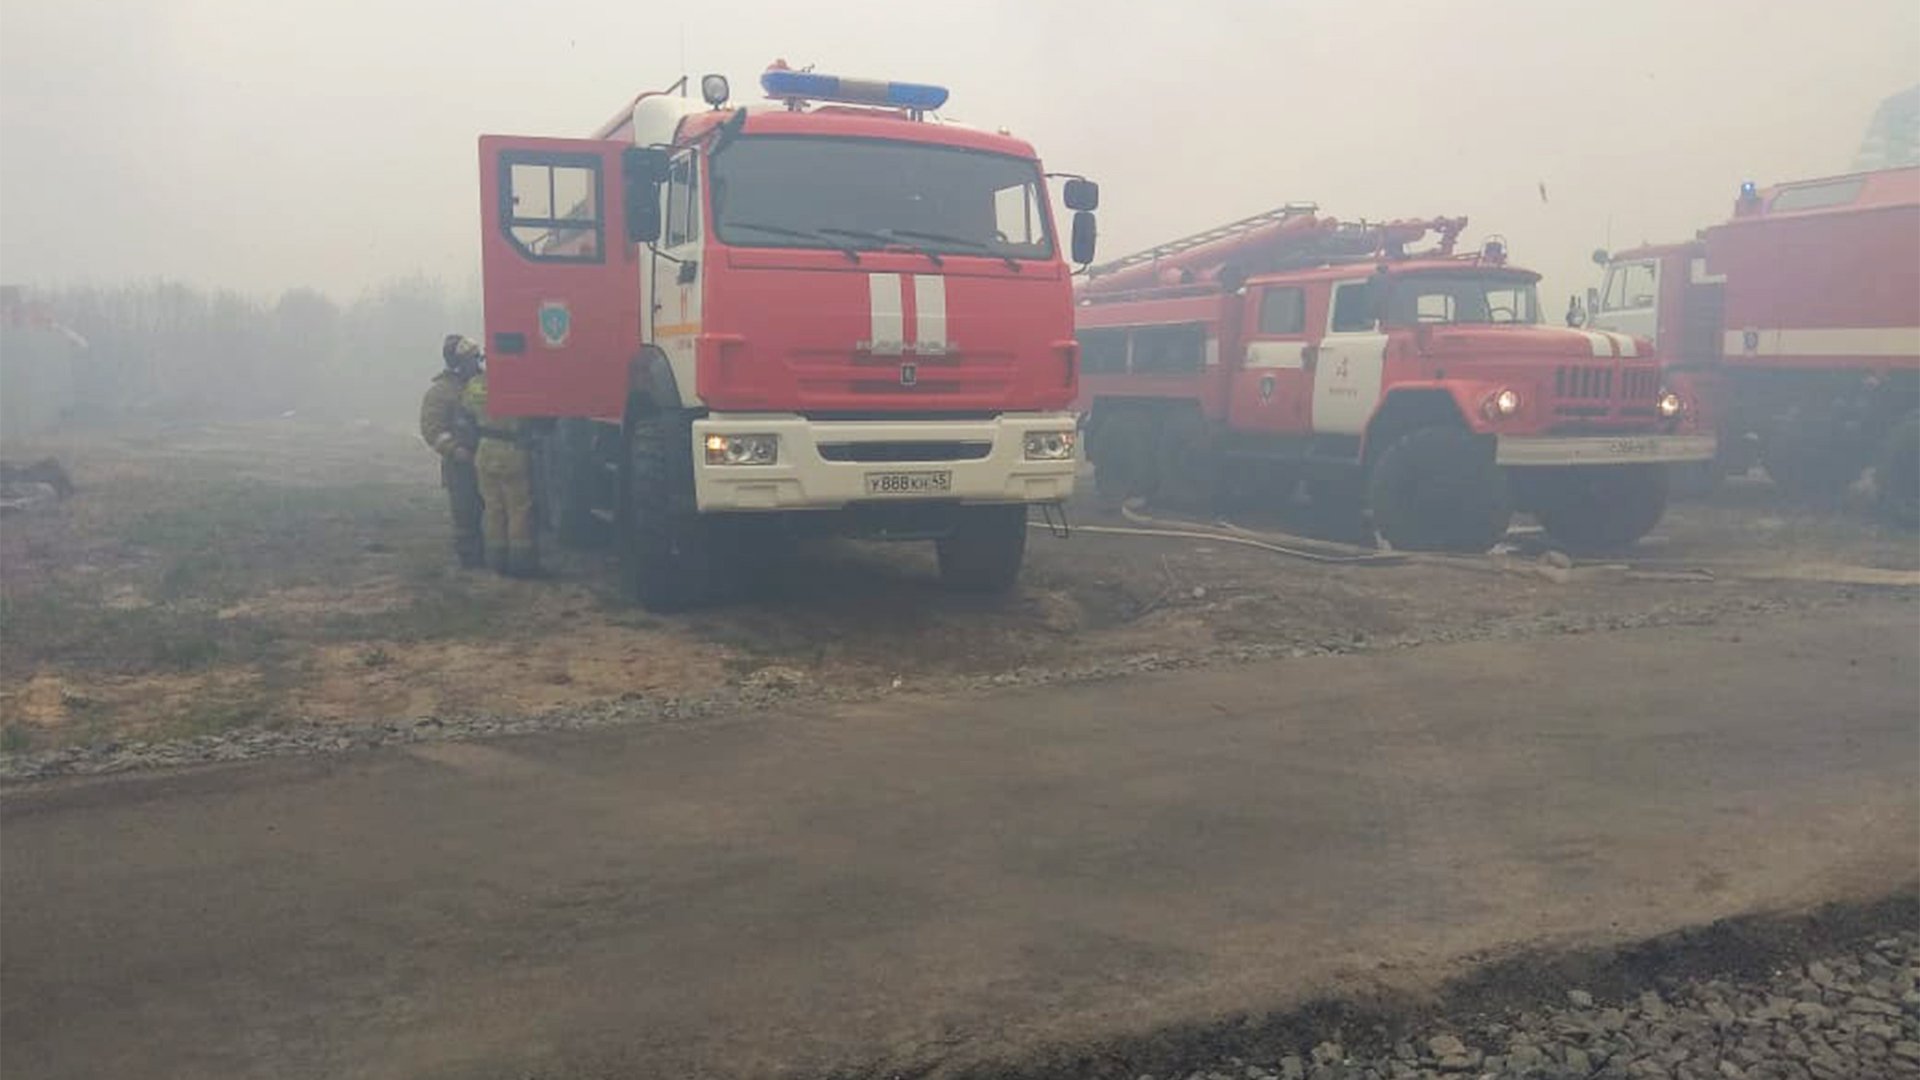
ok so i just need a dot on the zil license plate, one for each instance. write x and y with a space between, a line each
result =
909 483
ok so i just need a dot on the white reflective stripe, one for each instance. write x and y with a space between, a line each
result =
1827 341
1599 343
1697 274
1622 343
929 313
1277 355
886 322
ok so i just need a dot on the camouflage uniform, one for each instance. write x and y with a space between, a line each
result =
445 427
506 486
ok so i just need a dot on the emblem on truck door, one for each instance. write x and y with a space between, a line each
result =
556 322
909 374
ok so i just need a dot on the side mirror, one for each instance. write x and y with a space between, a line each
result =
643 169
1576 315
1593 299
1085 236
1081 195
1600 256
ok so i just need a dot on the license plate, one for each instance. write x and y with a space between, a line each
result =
1634 447
909 483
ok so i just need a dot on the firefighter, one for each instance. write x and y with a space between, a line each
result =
505 470
447 428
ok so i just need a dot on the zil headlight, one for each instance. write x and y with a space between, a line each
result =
1049 445
1503 404
743 449
1670 405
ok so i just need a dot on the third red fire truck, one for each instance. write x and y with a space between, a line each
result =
1421 385
1799 321
828 312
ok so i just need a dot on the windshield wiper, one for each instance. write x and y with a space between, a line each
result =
888 237
976 245
852 253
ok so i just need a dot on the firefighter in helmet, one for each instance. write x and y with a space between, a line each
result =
446 427
505 470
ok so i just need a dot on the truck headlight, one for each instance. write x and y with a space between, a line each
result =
743 449
1050 445
1670 405
1503 404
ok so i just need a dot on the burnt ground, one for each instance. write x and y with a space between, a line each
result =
207 581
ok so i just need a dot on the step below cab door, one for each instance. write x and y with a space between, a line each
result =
560 274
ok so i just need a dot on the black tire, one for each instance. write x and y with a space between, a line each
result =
666 550
1123 457
1697 480
984 552
568 475
1188 465
1437 489
1601 509
1337 500
1897 473
1807 465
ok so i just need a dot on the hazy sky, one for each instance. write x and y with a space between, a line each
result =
268 143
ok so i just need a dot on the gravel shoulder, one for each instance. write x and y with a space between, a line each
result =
223 593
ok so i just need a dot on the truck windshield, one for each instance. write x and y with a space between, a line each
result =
813 192
1462 298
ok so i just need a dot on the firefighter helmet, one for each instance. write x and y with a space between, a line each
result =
459 350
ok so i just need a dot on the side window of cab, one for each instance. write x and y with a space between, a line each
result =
1353 309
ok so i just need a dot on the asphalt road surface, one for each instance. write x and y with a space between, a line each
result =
951 880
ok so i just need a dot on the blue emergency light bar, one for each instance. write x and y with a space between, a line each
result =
812 86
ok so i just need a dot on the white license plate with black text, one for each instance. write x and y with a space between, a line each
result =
909 483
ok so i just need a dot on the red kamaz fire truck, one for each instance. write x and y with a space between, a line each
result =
830 312
1419 384
1799 322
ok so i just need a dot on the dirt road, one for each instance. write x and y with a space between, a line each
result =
950 879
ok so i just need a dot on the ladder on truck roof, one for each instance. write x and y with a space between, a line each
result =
1208 236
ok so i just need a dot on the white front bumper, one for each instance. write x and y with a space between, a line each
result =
1521 451
804 479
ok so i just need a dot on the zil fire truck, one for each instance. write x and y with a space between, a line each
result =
1419 385
1799 322
831 312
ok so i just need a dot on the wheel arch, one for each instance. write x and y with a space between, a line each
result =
1407 410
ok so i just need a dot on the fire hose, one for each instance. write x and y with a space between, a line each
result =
1297 547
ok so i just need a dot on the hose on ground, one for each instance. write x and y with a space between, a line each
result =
1294 547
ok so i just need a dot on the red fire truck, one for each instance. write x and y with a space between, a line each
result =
831 312
1421 385
1799 322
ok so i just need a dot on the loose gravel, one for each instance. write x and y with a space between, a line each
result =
1849 1015
783 687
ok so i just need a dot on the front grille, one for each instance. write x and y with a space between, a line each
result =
1641 385
944 450
1583 382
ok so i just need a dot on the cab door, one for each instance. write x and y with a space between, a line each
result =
1352 362
560 281
1272 379
1629 303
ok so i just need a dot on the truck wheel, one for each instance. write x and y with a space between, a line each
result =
567 474
1897 475
666 560
1697 480
1806 465
1338 501
1189 468
1437 489
1589 510
984 552
1124 457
